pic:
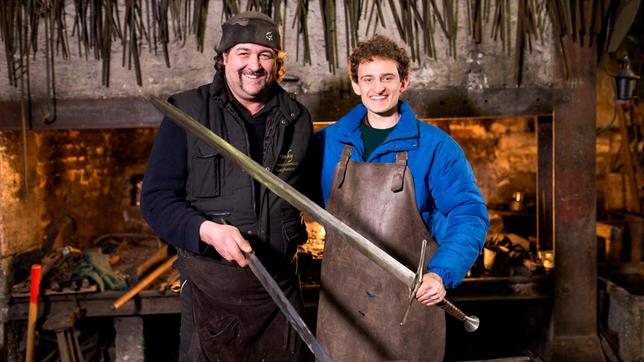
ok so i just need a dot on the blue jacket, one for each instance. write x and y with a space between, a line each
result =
447 197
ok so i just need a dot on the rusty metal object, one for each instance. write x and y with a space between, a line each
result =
519 41
132 22
327 8
303 31
63 325
574 315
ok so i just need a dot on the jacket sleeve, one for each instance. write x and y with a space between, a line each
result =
163 196
460 222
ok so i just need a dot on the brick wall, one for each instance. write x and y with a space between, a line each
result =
79 174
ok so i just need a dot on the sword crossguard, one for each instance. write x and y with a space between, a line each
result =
418 279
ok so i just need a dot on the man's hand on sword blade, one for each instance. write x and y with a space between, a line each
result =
227 240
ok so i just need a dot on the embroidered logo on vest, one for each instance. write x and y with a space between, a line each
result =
286 162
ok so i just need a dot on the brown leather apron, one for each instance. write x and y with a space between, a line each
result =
233 317
361 305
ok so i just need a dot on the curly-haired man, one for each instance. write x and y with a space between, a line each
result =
398 181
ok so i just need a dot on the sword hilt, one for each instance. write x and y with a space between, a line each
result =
471 322
418 280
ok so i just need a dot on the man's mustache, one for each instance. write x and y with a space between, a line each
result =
258 73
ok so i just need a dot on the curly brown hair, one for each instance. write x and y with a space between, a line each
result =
279 63
378 47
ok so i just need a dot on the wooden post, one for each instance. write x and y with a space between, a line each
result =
574 318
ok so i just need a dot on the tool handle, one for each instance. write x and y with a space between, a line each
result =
33 312
471 322
143 283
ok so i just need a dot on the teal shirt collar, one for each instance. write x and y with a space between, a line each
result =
404 136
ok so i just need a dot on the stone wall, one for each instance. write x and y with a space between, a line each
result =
474 67
82 176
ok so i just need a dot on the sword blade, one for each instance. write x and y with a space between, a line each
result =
286 307
285 191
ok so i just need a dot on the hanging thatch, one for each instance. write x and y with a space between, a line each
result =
27 25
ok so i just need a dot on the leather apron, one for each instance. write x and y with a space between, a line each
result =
229 316
361 305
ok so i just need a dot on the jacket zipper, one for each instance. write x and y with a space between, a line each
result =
244 133
273 121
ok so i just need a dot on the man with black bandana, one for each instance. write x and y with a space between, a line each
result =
212 211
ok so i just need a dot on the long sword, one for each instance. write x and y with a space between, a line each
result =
284 305
285 191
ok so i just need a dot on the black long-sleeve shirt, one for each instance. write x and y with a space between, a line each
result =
176 221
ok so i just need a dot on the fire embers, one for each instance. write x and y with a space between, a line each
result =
314 246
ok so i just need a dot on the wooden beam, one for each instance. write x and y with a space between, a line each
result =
85 114
100 304
545 180
443 103
136 112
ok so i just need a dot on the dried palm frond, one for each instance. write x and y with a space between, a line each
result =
133 23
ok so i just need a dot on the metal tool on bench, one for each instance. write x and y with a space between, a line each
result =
285 191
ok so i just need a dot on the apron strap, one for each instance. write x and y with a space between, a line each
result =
342 164
399 174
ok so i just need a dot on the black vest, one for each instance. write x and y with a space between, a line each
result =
222 190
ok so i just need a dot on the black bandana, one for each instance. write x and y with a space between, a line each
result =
249 27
